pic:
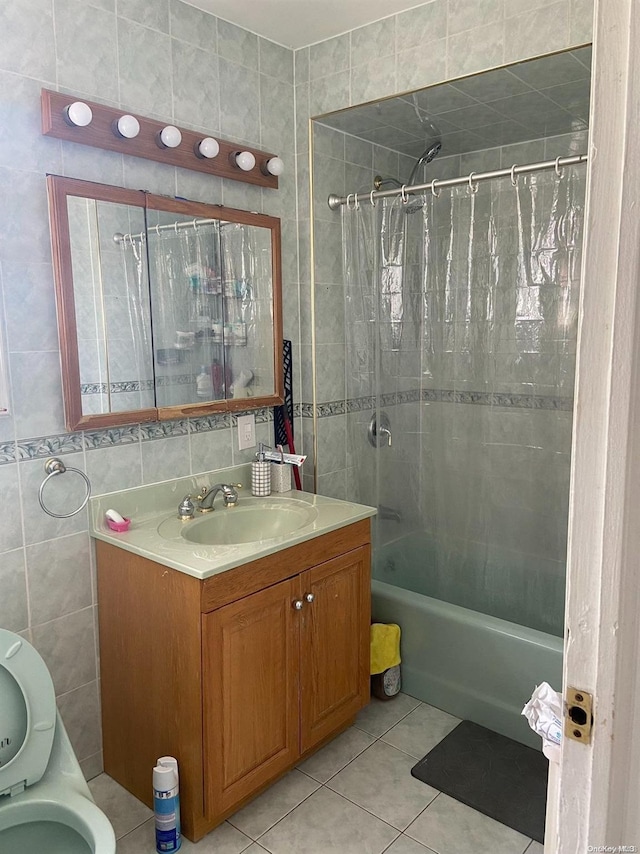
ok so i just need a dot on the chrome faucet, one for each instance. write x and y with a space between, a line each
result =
204 500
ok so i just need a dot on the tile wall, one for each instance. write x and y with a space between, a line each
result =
163 59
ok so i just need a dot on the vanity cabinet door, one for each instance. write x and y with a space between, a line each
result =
334 644
250 685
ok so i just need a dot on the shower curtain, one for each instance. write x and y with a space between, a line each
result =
461 317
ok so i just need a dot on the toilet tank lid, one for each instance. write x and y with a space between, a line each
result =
27 714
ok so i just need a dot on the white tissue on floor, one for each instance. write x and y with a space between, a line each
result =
544 713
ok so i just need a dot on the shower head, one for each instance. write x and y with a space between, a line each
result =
432 150
426 157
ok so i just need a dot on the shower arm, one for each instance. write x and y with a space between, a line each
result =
334 201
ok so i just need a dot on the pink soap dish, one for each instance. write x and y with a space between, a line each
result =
120 527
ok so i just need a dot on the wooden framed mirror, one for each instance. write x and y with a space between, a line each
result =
166 308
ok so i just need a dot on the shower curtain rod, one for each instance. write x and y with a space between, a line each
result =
119 237
334 201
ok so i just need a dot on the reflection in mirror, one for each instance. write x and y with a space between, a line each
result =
111 296
166 308
212 306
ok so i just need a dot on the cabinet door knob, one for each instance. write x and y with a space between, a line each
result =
298 604
309 597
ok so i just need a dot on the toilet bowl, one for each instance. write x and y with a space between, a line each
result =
45 803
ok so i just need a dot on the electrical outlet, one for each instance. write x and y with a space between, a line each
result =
246 432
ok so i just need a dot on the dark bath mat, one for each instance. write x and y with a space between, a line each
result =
491 773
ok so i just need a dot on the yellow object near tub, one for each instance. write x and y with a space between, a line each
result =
385 647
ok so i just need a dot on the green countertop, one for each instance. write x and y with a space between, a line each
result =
157 534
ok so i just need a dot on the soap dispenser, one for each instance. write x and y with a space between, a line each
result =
261 474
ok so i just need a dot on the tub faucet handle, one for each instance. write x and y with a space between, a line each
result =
385 431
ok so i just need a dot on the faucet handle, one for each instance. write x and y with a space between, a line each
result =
231 494
186 509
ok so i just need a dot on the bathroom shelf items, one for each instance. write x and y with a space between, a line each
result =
90 123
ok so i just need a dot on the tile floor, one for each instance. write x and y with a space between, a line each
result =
355 796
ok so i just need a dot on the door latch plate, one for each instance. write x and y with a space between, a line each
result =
578 715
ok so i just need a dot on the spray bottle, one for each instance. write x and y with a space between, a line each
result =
166 804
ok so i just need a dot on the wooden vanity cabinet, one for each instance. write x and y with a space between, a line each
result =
238 676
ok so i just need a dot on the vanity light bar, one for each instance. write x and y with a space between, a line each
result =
89 123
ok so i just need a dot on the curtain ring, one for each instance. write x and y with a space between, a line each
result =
356 203
348 204
559 171
404 194
433 189
514 177
473 187
157 229
373 204
195 224
175 227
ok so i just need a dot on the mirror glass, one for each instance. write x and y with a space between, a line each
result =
167 308
111 297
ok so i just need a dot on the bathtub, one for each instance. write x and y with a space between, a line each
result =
474 666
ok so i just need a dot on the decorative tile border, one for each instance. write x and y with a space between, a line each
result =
137 385
207 423
263 416
47 446
335 407
360 404
111 436
440 395
70 443
90 440
163 429
7 452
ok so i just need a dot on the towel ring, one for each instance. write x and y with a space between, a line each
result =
53 467
514 177
559 171
473 185
433 189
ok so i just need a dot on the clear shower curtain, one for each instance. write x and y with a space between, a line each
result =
461 325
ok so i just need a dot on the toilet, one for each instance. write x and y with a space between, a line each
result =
45 803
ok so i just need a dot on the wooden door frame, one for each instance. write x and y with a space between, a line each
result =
599 785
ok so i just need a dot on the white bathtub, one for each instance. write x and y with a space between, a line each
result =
476 667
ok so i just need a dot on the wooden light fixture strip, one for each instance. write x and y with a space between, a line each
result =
100 134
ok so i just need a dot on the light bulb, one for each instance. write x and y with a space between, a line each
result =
78 114
245 160
274 166
170 137
127 126
207 147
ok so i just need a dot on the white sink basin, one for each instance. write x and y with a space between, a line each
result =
250 521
